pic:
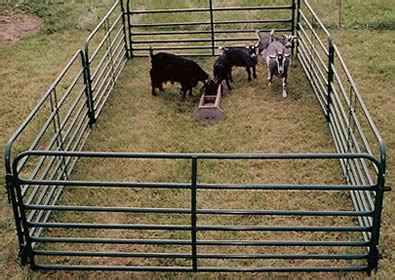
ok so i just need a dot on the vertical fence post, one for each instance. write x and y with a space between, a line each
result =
88 85
27 252
124 15
193 213
58 129
374 253
340 13
331 60
107 29
8 174
10 183
293 23
129 29
293 16
297 25
212 28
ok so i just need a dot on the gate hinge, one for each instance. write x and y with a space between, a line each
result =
23 254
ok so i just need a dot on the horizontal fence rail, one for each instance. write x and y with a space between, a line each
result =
63 118
42 154
106 54
208 32
61 122
196 243
350 123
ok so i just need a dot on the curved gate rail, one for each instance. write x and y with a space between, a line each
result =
58 123
63 118
191 253
353 129
55 131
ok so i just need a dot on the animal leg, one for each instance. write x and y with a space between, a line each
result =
228 84
184 91
190 92
254 72
230 76
152 84
285 94
249 73
269 77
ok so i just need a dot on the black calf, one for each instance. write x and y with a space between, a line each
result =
223 69
242 57
168 67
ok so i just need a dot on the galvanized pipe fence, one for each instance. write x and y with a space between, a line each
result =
49 143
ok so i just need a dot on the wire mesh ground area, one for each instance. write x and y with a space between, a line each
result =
238 225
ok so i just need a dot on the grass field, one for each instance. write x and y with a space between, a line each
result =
262 115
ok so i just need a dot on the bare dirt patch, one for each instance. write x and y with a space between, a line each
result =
17 26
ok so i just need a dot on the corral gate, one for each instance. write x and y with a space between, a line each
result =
42 165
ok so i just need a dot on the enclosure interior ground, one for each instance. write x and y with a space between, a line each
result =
258 119
259 211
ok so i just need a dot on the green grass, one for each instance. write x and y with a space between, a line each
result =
256 119
372 71
33 63
374 15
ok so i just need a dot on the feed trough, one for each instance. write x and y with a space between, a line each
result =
209 105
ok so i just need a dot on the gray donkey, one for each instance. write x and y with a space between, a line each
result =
289 41
278 60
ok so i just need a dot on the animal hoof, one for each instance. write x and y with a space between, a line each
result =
285 94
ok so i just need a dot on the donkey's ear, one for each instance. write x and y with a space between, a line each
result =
258 34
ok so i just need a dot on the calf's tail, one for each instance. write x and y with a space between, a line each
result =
151 53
